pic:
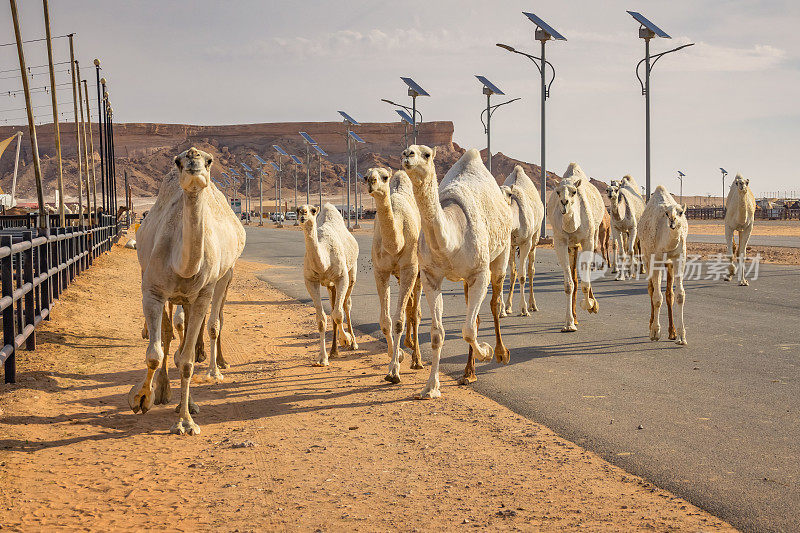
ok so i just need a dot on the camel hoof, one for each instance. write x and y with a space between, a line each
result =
681 342
199 356
140 399
655 334
569 329
524 312
416 364
726 278
185 427
534 307
162 393
322 363
354 345
429 394
222 364
744 283
595 307
392 378
502 355
503 313
467 380
213 377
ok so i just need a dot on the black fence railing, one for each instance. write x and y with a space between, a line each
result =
771 213
36 265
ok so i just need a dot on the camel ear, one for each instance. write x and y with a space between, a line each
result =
314 210
433 153
683 209
747 181
209 161
178 162
578 182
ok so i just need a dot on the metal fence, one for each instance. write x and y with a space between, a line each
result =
36 265
773 213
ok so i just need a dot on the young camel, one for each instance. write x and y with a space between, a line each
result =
330 261
662 234
740 211
527 212
394 253
187 248
575 209
466 236
627 207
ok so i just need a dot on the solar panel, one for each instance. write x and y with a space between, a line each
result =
307 137
244 166
681 173
349 119
546 27
414 86
360 175
641 19
233 171
260 160
723 170
296 159
249 176
404 116
218 184
355 136
280 150
489 85
320 151
226 176
276 167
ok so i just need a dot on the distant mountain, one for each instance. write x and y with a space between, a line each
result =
146 152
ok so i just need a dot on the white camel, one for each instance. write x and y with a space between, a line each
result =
740 211
527 211
627 206
394 253
662 234
466 236
187 248
575 210
330 261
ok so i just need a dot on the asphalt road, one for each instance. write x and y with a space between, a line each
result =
719 417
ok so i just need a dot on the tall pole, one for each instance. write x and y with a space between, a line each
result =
76 100
319 167
85 179
414 116
261 198
127 201
56 129
296 222
356 200
100 135
91 154
308 176
348 176
112 159
647 113
106 145
23 72
543 167
489 131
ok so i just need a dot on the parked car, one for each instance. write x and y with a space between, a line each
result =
291 215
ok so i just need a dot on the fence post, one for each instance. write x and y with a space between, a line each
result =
27 277
9 331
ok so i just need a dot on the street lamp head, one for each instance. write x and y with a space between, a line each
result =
96 62
724 172
506 47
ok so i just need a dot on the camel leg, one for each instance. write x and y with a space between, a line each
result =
531 271
731 253
655 302
322 321
523 269
744 236
384 297
214 375
680 297
564 259
407 281
348 303
334 351
633 266
178 320
477 292
615 253
140 396
162 393
669 297
222 363
469 370
195 312
200 345
337 312
497 271
589 302
573 266
413 316
433 293
512 280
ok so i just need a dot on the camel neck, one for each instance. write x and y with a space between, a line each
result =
435 224
391 230
617 210
313 251
192 241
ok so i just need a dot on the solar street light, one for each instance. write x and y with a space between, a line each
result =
281 153
308 141
277 170
261 191
681 175
489 89
320 154
406 119
724 173
544 32
297 161
352 138
414 90
648 30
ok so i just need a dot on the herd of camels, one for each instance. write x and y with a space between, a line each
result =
465 228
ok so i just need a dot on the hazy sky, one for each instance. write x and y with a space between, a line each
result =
732 100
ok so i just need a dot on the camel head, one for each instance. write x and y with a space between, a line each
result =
194 168
506 190
740 183
307 216
675 215
613 191
377 180
567 188
418 163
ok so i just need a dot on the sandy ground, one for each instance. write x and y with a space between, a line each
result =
789 228
284 446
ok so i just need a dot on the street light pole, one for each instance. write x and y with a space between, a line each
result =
724 173
680 177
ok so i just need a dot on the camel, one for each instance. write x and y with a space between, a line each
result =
394 253
187 248
527 212
330 261
627 206
662 234
740 211
466 236
575 210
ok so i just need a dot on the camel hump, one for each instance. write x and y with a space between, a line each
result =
329 213
574 171
661 189
739 176
401 183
